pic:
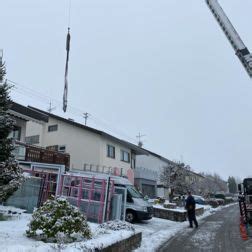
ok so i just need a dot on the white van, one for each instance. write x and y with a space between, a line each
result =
136 207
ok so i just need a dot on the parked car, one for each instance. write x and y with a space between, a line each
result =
220 196
212 202
199 200
220 202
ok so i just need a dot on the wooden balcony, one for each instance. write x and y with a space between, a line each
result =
32 153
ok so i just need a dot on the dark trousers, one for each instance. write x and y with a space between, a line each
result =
192 219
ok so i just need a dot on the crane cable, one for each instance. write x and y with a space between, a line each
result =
68 38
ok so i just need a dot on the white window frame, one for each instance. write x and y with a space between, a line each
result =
123 157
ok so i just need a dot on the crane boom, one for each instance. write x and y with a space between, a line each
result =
240 49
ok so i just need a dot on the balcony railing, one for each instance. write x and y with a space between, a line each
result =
33 153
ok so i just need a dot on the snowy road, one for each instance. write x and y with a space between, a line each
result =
218 232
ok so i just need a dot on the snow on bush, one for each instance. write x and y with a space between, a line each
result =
57 218
117 225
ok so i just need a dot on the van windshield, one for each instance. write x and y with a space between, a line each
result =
133 192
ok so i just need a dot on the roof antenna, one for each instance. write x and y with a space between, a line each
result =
51 108
67 59
140 143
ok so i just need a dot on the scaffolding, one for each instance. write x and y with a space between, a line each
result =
91 195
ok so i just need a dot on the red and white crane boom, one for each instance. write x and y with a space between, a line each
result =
240 49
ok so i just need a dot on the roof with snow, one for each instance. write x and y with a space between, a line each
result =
134 148
27 113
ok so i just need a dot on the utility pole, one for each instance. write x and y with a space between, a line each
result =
140 143
86 115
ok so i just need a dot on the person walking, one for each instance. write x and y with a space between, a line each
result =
190 207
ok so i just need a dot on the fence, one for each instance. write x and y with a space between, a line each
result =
27 196
104 169
38 154
97 198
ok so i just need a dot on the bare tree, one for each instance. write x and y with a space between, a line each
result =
176 177
211 184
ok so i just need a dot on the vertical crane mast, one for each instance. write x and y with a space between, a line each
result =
240 49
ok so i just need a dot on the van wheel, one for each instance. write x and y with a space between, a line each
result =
130 216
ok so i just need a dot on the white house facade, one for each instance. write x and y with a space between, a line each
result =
145 166
90 149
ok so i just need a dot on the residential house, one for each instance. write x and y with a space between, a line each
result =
194 179
153 177
24 150
90 149
148 174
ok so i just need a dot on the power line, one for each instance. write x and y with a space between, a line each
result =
45 99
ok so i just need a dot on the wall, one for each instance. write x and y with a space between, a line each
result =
174 215
114 162
153 163
33 128
27 195
84 147
126 245
21 123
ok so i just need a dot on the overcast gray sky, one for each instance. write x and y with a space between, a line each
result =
163 68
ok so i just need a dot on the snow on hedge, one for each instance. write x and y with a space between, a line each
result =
57 220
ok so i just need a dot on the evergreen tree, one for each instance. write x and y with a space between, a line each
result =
10 173
6 124
232 186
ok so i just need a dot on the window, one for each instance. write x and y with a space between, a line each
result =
133 163
16 133
131 190
110 151
125 156
62 149
52 128
32 139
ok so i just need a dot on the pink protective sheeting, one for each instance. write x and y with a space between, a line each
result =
130 175
89 194
117 171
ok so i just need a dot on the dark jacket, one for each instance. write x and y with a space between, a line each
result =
190 204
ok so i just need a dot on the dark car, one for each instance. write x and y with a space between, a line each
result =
199 200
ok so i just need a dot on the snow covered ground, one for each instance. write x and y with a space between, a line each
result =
13 238
154 233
